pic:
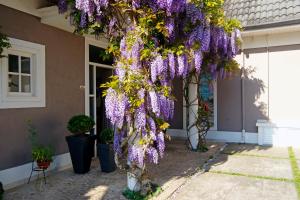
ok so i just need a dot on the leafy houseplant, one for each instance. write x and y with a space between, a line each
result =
43 156
105 150
40 153
81 145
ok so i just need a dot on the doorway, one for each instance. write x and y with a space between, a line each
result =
99 71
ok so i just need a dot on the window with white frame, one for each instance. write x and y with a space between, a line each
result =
22 76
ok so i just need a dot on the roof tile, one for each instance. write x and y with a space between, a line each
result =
263 12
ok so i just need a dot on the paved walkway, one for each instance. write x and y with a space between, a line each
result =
172 172
240 172
244 172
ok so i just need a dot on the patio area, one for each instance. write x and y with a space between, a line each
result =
238 171
173 172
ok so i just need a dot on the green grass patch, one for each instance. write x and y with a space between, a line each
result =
131 195
295 170
253 176
254 155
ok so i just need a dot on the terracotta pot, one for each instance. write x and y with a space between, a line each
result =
43 164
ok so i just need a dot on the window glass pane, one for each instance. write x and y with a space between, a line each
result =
98 55
13 83
91 69
25 84
207 95
25 65
13 63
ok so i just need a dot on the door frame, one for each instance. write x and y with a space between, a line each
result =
102 43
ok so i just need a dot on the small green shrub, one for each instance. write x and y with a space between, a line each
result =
131 195
80 124
106 136
41 153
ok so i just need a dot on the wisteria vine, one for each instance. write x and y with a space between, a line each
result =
152 42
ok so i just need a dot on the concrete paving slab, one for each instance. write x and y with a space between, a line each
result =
211 186
279 168
280 152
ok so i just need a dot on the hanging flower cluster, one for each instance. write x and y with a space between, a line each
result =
154 41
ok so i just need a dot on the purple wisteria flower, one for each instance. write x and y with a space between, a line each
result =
111 25
194 13
164 106
140 117
110 104
156 66
170 26
123 49
136 155
152 127
135 55
120 71
115 106
152 155
161 143
198 60
205 39
136 3
62 6
83 20
182 65
117 142
172 70
154 103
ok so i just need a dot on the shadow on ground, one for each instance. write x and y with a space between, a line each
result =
178 164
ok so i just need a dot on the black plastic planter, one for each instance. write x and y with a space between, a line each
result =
81 149
1 191
106 157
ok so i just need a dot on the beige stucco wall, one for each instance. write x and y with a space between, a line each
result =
64 98
271 84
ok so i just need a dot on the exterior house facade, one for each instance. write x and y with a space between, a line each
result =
51 74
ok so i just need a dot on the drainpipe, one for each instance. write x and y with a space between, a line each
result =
268 54
243 133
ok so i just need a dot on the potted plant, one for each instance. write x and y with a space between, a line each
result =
43 156
105 151
40 153
1 191
81 144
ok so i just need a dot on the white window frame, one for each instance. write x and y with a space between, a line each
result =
215 126
37 97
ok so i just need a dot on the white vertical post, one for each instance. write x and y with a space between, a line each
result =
193 112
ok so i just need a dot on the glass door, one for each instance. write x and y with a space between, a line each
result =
99 72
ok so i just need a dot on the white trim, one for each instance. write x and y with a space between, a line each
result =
19 175
274 30
38 99
222 136
215 127
233 137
